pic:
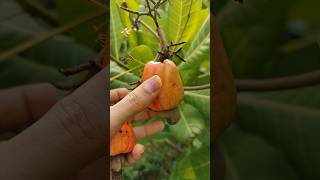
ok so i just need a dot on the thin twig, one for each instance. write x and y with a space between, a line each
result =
124 73
132 58
119 62
149 29
289 82
134 12
174 146
152 12
42 38
192 88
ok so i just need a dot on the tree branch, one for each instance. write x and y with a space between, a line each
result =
134 12
282 83
151 12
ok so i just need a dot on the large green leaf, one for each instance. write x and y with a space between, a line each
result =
179 15
116 38
200 100
74 9
11 18
39 63
193 165
189 125
198 53
193 26
293 129
249 157
250 41
123 81
19 71
297 97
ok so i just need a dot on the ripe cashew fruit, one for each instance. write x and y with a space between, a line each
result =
171 92
123 141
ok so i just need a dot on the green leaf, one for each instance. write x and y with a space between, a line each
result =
116 38
305 10
250 42
139 55
189 125
200 100
74 9
250 157
198 53
193 165
39 63
60 52
179 15
292 129
19 71
193 26
131 4
12 17
146 36
123 81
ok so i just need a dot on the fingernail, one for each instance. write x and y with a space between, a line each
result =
153 84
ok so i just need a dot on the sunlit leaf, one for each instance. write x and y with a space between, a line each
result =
198 52
125 19
189 125
115 30
139 55
179 15
193 165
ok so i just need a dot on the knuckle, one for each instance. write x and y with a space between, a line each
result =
74 119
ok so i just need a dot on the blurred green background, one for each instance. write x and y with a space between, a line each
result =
275 135
175 155
181 151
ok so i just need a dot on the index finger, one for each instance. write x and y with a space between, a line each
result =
117 94
23 105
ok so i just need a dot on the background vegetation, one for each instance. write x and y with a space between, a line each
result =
37 39
275 134
182 151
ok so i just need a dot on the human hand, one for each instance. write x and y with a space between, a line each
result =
132 106
66 139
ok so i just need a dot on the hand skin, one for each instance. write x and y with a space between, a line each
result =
132 106
66 139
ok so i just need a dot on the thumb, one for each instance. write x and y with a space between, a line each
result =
135 102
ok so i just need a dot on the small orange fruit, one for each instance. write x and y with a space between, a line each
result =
171 92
